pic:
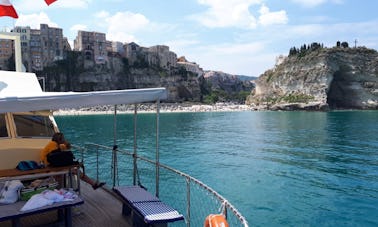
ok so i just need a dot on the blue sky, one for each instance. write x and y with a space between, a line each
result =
234 36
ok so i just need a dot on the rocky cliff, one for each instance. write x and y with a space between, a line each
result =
321 79
76 73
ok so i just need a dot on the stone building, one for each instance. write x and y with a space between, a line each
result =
93 45
41 47
161 55
51 44
35 51
131 51
190 66
6 51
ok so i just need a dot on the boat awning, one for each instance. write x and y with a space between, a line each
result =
21 92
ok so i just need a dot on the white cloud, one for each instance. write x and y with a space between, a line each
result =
251 57
269 18
102 14
123 25
178 45
78 27
314 3
27 6
227 13
34 20
72 4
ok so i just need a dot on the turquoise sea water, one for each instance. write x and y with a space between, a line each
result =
277 168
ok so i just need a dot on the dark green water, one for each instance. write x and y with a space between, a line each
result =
277 168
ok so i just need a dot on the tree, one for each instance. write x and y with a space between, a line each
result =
344 44
292 51
11 64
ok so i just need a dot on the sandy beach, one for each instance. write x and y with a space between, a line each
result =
150 108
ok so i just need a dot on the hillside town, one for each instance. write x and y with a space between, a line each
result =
95 63
41 47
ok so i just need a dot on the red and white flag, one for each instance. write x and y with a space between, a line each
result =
7 9
48 2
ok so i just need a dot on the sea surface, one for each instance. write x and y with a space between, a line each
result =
276 168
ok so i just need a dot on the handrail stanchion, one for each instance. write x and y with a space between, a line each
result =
135 144
188 202
97 165
115 146
157 146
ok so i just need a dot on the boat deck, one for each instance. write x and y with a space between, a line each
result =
100 208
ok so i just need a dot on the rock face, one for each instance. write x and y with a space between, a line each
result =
227 82
322 79
184 82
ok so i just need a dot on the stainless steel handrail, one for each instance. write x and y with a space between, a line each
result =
225 203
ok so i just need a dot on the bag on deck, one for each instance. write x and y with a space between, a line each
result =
27 165
60 158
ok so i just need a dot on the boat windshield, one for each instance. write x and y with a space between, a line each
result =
3 126
33 125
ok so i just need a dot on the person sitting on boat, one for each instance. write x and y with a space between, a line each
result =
58 142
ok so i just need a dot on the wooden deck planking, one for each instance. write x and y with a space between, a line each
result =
101 208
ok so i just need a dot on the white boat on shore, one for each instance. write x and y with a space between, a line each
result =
27 124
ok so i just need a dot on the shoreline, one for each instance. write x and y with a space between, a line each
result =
151 108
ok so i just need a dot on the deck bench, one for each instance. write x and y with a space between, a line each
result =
12 211
144 208
15 174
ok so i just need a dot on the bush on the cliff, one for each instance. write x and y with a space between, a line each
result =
297 98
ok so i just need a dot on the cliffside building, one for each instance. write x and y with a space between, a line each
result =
41 47
6 51
161 55
158 55
93 45
190 66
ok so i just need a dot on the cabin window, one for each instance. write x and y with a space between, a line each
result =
3 126
33 126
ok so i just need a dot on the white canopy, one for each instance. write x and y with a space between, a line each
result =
21 92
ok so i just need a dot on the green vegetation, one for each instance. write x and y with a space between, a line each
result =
11 64
269 76
125 66
141 62
222 96
70 66
289 98
302 98
163 74
305 49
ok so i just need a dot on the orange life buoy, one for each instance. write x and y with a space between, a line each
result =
216 220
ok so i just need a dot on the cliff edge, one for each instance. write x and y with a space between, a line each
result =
320 79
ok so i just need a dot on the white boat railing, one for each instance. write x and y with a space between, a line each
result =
189 195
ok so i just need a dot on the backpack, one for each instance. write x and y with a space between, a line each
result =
59 158
27 165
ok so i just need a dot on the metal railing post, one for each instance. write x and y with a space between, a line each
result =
188 202
115 146
135 145
157 146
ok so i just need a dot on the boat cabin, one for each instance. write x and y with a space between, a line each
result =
26 120
22 134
